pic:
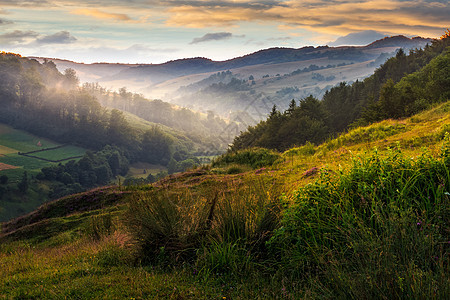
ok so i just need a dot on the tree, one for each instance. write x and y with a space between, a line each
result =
156 146
4 179
23 184
71 78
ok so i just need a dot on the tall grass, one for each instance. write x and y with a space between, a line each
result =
379 231
208 226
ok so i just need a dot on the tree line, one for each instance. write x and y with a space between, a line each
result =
404 85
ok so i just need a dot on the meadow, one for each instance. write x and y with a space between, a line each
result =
364 215
13 141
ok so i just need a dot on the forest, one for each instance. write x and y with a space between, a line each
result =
405 85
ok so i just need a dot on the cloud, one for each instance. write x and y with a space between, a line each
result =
334 17
358 38
32 39
17 37
212 37
33 3
5 22
62 37
101 14
284 38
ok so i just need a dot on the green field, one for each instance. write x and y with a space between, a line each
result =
13 141
60 153
22 141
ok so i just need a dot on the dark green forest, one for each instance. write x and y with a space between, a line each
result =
404 85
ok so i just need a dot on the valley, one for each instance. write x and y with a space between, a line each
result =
311 173
269 68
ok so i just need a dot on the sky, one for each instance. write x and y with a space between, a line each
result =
153 31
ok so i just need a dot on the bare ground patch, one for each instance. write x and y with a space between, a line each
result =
6 167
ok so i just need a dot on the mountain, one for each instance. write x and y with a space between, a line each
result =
165 81
404 85
400 41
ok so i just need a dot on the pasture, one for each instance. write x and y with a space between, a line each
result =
13 141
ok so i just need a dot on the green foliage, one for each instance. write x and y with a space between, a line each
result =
308 149
255 158
156 147
91 170
298 125
377 230
23 184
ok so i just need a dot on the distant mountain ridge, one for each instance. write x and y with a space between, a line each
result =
187 66
266 68
399 40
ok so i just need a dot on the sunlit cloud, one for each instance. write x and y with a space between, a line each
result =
332 17
101 14
158 25
195 17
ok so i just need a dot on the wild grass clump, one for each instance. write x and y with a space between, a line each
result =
214 227
255 158
307 149
379 231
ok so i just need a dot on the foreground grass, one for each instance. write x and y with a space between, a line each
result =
363 216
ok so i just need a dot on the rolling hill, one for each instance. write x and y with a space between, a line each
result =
165 81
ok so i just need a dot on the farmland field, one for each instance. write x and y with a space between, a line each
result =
60 153
13 141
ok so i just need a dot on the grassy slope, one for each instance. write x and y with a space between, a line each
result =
85 252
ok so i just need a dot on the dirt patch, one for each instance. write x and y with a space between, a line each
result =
143 169
6 167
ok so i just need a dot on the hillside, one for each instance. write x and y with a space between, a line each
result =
91 136
404 85
345 218
270 69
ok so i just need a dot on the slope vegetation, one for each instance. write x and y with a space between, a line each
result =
364 215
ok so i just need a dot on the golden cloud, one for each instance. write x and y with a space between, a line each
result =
325 17
101 14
